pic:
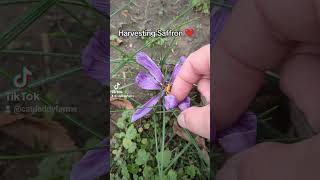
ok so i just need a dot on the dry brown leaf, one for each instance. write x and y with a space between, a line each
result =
180 132
201 142
121 103
125 13
116 42
30 130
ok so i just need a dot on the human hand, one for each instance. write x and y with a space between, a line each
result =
259 36
195 70
266 35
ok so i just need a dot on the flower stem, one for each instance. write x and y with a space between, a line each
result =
162 142
154 117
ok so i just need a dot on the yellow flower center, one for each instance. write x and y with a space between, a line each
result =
168 88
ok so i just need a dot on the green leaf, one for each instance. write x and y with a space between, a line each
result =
191 170
146 126
126 143
131 132
133 168
126 114
135 177
142 157
132 148
147 172
140 130
121 123
125 172
144 141
194 2
122 134
114 37
129 145
123 120
172 175
114 177
166 157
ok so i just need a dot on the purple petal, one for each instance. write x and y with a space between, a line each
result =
102 5
95 57
146 81
218 20
241 136
185 104
182 59
146 108
94 164
170 102
177 68
144 60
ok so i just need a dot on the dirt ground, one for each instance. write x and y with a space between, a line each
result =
75 90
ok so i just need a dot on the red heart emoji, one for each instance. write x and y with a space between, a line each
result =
189 32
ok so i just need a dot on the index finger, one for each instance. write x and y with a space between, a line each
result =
195 67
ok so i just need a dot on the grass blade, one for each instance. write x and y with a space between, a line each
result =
40 53
26 21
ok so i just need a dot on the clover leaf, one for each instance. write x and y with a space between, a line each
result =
166 157
142 157
131 132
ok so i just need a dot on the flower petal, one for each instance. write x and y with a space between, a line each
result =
241 135
146 108
102 5
94 164
146 81
218 20
144 60
95 57
185 104
177 68
182 59
170 102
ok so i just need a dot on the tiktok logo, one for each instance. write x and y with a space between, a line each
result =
21 80
116 86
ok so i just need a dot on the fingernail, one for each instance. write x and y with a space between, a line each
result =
181 120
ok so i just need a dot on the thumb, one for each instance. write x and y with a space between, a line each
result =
197 120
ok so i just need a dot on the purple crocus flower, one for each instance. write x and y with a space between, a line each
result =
95 163
241 135
154 80
95 57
